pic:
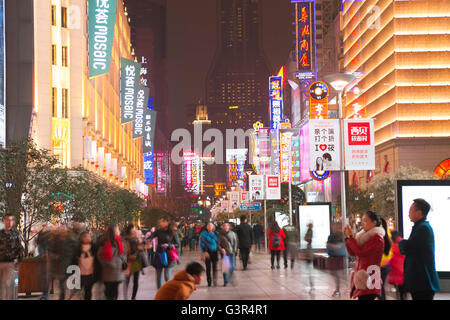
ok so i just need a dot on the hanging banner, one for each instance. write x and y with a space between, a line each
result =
141 103
123 176
108 162
94 151
149 130
324 138
102 20
101 157
359 144
285 149
318 93
130 73
235 200
87 148
256 187
196 174
114 167
273 188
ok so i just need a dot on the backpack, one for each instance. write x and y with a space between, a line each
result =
276 243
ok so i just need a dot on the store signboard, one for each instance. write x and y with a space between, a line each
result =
273 187
129 87
141 105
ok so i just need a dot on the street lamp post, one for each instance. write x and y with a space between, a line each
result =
339 82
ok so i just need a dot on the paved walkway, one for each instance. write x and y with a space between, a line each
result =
258 282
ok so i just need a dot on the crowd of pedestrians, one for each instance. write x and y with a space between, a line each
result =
112 257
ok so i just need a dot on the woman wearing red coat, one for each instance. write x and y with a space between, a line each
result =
276 243
367 246
396 275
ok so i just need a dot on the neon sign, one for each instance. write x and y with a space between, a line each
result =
305 22
276 101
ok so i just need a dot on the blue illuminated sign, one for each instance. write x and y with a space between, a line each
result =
276 101
149 168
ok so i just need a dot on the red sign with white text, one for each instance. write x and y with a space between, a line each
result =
359 134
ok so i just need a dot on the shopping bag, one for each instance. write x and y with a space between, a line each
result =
173 254
226 263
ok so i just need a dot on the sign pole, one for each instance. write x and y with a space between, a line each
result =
265 224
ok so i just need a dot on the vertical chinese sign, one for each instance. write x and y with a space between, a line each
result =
102 21
188 160
324 138
129 87
149 130
306 37
2 76
276 101
318 92
139 112
359 144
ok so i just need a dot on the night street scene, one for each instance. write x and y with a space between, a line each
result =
233 155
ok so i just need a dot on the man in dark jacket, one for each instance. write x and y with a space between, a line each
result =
421 278
245 236
258 234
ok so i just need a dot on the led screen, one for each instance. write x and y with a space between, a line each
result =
438 196
319 215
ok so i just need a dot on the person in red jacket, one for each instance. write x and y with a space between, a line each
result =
367 246
276 243
396 275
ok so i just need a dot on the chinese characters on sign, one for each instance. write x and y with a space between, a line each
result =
149 130
138 123
285 149
149 168
324 145
102 20
130 74
305 35
273 188
359 144
256 187
318 92
276 101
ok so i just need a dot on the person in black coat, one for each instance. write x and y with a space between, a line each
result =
421 278
245 236
258 234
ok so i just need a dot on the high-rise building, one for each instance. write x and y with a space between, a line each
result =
237 82
399 50
76 117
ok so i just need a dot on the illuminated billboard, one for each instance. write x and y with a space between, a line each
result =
149 168
306 38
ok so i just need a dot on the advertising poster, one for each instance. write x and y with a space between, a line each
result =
273 188
102 20
188 161
285 150
264 150
141 105
359 144
256 187
234 200
324 138
319 216
130 73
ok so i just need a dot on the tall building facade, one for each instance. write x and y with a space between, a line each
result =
238 76
75 117
399 50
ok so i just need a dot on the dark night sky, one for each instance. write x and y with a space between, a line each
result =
192 44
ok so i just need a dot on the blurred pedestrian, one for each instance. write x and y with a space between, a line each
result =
183 284
245 236
134 249
209 246
337 253
173 257
386 258
421 278
291 244
309 254
396 274
367 246
11 253
162 244
113 259
228 245
85 260
258 233
190 235
276 243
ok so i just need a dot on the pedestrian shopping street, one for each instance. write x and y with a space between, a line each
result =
259 282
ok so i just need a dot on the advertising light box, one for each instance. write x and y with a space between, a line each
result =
437 194
319 215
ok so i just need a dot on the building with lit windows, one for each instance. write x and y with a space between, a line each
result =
237 82
400 52
75 117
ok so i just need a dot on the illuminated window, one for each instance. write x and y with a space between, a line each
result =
65 60
63 17
443 170
54 57
53 15
55 102
65 103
